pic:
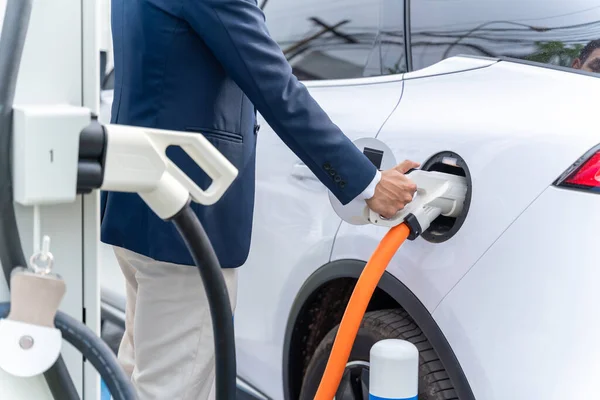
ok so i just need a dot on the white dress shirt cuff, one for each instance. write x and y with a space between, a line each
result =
370 190
356 207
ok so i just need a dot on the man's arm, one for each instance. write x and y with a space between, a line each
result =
236 33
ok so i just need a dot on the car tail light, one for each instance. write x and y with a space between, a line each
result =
584 174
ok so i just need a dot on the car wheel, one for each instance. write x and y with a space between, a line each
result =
434 383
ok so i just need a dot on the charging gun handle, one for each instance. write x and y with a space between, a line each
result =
136 161
377 219
212 162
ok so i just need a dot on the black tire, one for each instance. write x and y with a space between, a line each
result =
434 383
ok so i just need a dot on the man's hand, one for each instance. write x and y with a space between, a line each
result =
394 191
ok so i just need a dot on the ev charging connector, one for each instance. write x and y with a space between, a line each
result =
438 193
136 162
61 151
394 373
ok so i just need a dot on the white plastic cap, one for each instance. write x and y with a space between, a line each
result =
394 370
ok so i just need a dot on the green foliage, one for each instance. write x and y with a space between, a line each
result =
396 68
555 52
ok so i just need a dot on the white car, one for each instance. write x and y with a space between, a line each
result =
501 302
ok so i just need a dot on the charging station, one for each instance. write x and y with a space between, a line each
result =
57 141
60 65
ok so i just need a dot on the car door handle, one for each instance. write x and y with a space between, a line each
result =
301 171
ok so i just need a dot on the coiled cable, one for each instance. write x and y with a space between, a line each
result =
94 350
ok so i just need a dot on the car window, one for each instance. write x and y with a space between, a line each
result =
558 32
109 81
339 39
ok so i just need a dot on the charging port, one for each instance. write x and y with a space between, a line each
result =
443 228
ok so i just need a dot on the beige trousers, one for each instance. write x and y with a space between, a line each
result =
167 348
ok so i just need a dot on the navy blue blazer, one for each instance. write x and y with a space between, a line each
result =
205 66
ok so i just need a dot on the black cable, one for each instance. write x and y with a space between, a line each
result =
218 299
12 41
93 349
59 381
14 31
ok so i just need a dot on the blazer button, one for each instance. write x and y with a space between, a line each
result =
342 184
338 179
326 166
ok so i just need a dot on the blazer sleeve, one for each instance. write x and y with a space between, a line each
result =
236 33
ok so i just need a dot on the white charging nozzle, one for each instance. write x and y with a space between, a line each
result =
136 162
438 193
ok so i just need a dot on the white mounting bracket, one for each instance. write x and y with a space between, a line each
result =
45 152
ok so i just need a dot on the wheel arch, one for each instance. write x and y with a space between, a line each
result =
389 289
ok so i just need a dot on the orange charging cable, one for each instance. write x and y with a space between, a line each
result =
356 308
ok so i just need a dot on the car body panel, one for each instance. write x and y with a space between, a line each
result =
517 126
451 65
518 316
294 227
518 141
106 100
523 322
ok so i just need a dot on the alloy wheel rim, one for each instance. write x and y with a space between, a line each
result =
355 382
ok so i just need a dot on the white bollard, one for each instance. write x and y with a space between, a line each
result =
394 370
